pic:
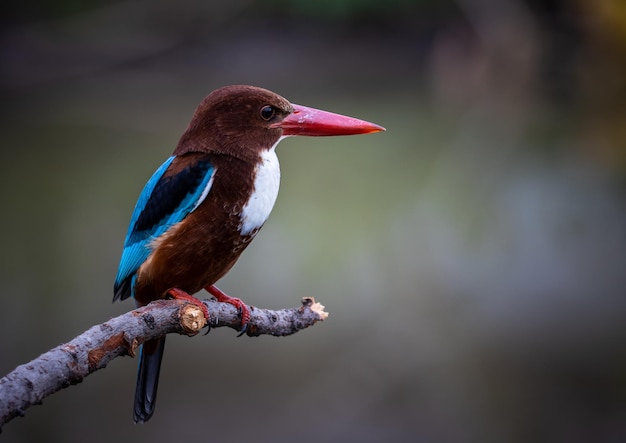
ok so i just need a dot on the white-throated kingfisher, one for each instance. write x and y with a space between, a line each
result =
205 203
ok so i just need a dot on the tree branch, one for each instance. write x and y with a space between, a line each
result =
69 363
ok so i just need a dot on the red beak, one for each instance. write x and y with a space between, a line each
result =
315 122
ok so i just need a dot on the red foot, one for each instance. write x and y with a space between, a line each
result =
236 302
182 295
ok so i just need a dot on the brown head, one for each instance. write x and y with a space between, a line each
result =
244 120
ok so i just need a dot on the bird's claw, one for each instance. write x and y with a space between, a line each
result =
243 330
208 328
242 308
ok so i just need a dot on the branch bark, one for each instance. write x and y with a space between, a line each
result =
69 363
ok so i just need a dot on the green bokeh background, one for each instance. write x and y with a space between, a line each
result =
472 258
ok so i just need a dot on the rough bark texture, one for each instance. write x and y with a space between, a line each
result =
69 363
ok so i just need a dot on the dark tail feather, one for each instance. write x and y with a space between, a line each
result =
148 379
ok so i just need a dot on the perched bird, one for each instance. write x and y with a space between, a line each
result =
206 202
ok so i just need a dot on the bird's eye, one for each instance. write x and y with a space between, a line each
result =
267 112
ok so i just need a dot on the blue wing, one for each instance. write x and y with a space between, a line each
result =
164 201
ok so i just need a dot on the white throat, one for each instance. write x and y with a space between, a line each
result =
266 183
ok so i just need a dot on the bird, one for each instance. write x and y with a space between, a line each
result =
204 205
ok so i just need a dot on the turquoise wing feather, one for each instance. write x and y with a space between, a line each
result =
164 201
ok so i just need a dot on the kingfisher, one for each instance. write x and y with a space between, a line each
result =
205 204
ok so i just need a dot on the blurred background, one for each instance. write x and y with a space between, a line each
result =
472 258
